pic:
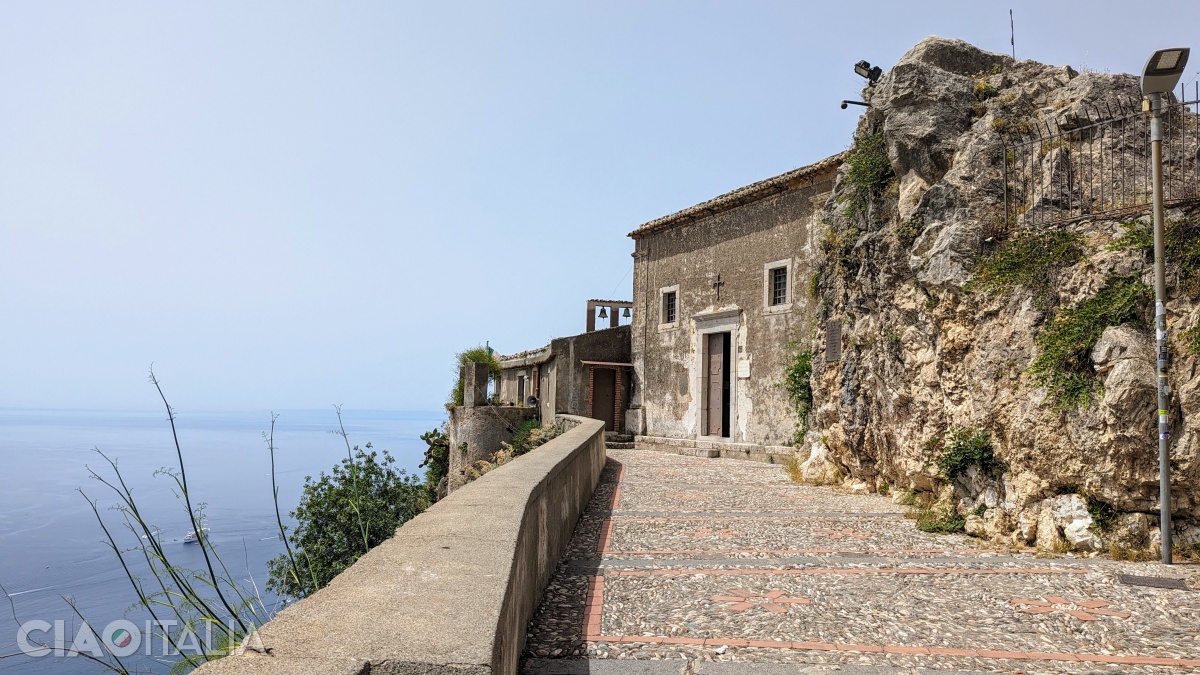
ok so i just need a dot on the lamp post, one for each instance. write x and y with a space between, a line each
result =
1160 75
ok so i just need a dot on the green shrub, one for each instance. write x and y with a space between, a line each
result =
1029 260
983 90
1064 365
363 498
1181 243
941 522
968 447
798 384
523 439
473 355
1104 516
869 171
437 459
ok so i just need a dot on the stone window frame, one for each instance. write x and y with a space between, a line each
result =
663 324
787 264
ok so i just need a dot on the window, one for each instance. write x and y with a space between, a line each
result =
668 308
779 286
777 291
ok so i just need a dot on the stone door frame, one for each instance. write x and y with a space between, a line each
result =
704 324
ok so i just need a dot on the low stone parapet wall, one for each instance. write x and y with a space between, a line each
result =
455 588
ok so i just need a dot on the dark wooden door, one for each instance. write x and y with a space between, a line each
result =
604 397
716 380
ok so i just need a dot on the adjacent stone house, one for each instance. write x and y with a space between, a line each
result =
720 291
587 374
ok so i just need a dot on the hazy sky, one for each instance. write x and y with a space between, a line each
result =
292 204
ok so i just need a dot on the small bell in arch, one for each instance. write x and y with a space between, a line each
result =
603 312
626 314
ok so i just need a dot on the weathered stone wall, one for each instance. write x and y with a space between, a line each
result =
455 588
477 432
735 243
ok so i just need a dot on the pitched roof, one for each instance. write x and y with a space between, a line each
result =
740 196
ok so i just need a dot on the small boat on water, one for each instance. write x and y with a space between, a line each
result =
191 538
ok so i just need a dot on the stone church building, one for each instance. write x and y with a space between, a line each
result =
720 290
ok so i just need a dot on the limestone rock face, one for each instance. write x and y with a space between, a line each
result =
818 469
922 355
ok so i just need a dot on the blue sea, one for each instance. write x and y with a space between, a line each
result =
51 546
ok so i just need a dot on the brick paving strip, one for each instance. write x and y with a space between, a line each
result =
865 600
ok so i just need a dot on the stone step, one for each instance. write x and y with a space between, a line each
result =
619 445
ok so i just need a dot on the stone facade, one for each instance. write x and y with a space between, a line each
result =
724 286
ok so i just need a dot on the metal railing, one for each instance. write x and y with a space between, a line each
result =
1100 164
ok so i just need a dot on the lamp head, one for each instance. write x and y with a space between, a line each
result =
1163 70
871 73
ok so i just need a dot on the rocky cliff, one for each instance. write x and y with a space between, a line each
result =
995 369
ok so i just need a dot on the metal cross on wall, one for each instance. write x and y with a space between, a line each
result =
717 285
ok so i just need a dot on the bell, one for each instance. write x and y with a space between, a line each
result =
603 312
626 314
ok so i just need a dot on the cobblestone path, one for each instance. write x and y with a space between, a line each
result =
710 566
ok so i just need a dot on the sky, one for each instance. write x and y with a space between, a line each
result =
290 204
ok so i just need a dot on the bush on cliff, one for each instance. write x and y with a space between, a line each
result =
342 515
869 171
437 459
472 355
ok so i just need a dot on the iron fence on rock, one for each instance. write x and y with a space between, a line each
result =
1097 162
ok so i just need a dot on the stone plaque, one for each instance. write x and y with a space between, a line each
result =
833 341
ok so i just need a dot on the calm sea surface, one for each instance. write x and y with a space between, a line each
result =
51 545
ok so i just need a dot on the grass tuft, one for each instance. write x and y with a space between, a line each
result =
1027 260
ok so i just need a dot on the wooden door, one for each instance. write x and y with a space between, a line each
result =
716 387
604 397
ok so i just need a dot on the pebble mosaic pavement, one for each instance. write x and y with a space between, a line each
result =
691 565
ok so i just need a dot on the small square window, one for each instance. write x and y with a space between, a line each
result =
779 286
776 292
669 311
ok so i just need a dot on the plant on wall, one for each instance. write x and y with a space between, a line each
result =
1064 365
1181 241
967 447
475 354
797 382
869 171
1029 260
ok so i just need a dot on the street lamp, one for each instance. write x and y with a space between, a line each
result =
872 75
1161 74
